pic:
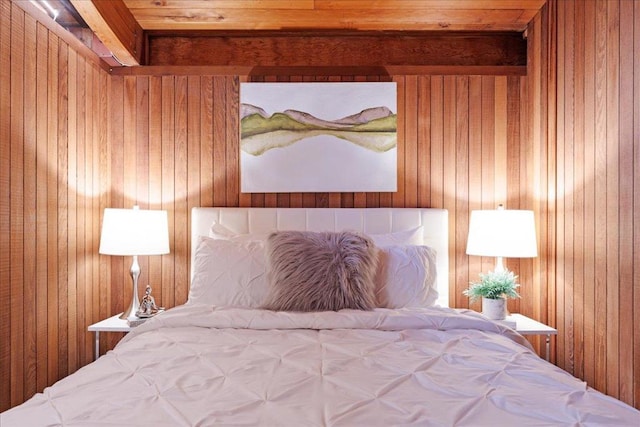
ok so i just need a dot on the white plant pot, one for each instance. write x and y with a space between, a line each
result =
494 309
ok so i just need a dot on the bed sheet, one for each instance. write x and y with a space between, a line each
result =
197 365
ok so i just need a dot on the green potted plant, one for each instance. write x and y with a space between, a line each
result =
494 288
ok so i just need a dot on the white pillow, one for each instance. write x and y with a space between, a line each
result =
406 277
406 237
233 273
229 273
219 231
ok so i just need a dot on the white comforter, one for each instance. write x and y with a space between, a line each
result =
202 366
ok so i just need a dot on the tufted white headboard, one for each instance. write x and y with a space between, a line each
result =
435 223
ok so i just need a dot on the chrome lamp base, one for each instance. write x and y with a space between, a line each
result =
130 313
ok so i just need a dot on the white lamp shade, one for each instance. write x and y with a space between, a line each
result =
135 231
502 233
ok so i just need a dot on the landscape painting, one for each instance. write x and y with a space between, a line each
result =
318 137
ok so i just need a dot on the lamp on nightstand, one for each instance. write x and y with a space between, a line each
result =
134 232
502 233
499 233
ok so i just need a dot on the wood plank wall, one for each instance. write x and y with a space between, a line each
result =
174 145
598 189
74 140
53 97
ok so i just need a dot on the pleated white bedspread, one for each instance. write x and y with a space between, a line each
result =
200 366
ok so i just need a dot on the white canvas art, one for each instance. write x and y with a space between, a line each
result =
318 137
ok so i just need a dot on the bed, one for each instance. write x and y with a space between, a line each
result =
228 357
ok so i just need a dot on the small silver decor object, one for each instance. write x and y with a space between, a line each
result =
148 307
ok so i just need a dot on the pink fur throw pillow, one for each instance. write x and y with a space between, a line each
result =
320 271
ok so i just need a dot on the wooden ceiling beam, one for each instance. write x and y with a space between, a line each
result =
277 49
382 72
116 27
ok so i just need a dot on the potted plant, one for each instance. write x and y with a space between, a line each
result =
494 288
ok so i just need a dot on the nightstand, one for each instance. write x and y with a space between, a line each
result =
112 324
528 326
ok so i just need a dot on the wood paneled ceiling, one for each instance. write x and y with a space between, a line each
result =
460 15
140 31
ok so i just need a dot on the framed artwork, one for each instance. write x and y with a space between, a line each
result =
318 137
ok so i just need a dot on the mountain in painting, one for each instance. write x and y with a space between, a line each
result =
366 116
255 121
248 110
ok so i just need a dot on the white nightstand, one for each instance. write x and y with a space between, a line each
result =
112 324
528 326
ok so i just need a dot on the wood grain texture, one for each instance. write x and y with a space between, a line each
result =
635 384
322 70
495 15
597 143
277 49
29 225
117 28
40 209
5 205
16 210
625 204
48 226
561 141
590 199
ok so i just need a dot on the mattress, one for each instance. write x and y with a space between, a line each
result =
199 365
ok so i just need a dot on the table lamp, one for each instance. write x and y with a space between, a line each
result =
502 233
133 232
